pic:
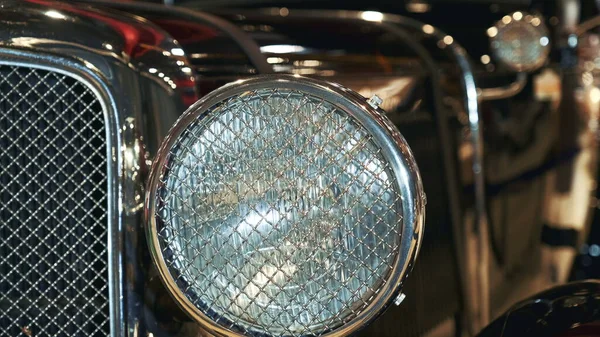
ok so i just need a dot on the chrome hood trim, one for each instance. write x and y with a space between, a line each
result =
145 82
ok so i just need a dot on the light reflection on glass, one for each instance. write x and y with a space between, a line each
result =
307 63
519 43
428 29
517 16
418 7
372 16
572 41
304 71
55 15
281 49
177 52
274 60
595 95
492 31
282 214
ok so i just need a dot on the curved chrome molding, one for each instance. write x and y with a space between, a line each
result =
480 223
111 41
133 74
239 36
394 147
564 310
478 230
587 25
97 84
490 94
393 22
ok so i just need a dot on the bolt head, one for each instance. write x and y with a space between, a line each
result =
375 101
399 299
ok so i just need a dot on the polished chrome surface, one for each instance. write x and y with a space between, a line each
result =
289 231
518 160
158 12
471 230
58 223
340 63
54 265
144 80
127 50
562 310
520 41
587 25
174 263
490 94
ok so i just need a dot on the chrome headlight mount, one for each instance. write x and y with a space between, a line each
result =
520 41
284 206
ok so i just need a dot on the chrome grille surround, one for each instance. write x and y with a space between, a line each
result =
349 115
58 269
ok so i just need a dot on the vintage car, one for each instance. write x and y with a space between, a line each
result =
280 168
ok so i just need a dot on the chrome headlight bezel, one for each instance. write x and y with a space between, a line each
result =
532 24
397 152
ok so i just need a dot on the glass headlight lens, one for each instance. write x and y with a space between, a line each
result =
276 211
520 41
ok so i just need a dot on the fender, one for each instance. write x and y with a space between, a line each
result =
568 310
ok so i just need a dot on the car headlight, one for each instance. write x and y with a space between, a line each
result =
520 41
283 206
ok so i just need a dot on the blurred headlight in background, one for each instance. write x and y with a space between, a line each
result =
520 41
283 206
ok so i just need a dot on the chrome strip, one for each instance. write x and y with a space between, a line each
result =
475 234
91 78
248 45
587 25
490 94
478 316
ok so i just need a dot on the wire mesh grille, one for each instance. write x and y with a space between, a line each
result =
53 242
278 214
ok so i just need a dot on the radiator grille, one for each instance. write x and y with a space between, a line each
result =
53 206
